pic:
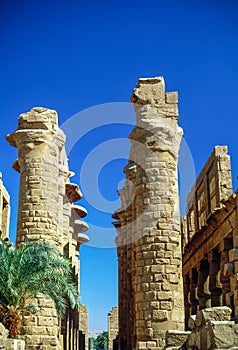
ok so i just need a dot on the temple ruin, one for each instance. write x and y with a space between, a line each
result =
47 211
178 276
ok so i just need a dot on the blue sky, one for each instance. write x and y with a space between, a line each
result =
72 55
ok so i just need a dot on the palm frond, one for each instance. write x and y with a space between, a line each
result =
33 268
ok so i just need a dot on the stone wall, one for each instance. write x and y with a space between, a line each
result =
112 326
210 244
46 211
148 242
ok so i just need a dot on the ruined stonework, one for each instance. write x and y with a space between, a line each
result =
46 211
148 242
211 239
212 329
112 327
4 210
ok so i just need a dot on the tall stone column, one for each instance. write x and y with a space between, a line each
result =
46 211
155 229
40 209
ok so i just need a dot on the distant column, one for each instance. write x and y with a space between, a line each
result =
193 291
214 273
187 304
204 294
112 327
225 246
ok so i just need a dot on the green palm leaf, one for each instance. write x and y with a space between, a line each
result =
31 269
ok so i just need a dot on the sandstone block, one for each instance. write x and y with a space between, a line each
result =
164 295
221 335
46 321
15 344
219 313
176 338
166 305
193 341
160 315
191 322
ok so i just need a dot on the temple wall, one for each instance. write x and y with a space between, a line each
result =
210 231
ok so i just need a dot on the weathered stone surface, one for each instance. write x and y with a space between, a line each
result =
191 322
220 313
221 335
3 336
217 333
176 338
15 344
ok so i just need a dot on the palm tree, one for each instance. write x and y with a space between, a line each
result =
28 270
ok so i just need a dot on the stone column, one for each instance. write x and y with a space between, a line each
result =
187 304
225 246
40 209
193 291
204 294
157 275
125 261
46 212
214 281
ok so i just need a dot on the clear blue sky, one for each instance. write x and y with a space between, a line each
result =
71 55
